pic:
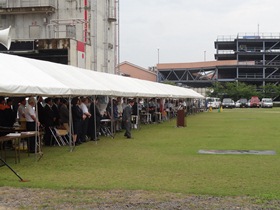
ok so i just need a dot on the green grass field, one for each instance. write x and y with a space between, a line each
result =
164 158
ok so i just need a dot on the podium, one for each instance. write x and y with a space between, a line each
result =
181 118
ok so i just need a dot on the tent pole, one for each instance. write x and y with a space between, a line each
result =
70 125
38 149
138 115
94 118
36 127
112 117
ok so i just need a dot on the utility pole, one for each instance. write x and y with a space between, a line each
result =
204 55
158 55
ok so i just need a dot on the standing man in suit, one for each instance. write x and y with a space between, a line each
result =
126 118
41 114
94 121
55 108
49 120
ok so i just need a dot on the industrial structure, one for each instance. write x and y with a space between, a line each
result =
82 33
253 59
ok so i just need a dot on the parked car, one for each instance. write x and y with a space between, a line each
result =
228 103
213 102
249 103
237 104
243 102
255 102
266 103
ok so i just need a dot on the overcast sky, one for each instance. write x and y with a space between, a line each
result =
185 30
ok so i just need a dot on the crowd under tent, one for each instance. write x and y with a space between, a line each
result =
29 77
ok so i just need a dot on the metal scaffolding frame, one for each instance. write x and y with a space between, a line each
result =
191 76
55 27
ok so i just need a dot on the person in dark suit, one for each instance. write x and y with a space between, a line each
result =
10 115
7 117
49 120
64 114
94 121
55 108
3 109
126 118
41 114
78 117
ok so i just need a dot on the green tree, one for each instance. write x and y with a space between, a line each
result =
270 91
168 82
246 91
234 90
216 90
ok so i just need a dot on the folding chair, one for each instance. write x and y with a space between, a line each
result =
104 128
63 134
60 136
134 121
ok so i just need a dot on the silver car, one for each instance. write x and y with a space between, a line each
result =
266 103
237 104
228 103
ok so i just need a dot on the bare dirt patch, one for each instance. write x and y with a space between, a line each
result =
26 198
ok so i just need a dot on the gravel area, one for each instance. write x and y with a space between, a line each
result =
27 198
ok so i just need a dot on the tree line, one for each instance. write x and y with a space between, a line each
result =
237 90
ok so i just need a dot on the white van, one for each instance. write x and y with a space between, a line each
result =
215 103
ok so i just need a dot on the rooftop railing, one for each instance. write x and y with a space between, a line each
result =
26 3
249 36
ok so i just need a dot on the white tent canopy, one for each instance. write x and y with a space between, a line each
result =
22 77
74 78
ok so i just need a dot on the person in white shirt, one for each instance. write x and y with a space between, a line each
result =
31 121
84 108
21 110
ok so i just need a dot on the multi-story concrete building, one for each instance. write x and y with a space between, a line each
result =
257 55
82 33
252 59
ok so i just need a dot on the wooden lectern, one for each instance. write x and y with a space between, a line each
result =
181 118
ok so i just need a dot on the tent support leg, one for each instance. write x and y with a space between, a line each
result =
6 164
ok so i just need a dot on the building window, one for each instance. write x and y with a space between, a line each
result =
34 31
70 31
2 17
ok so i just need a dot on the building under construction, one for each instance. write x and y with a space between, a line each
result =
83 33
253 59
